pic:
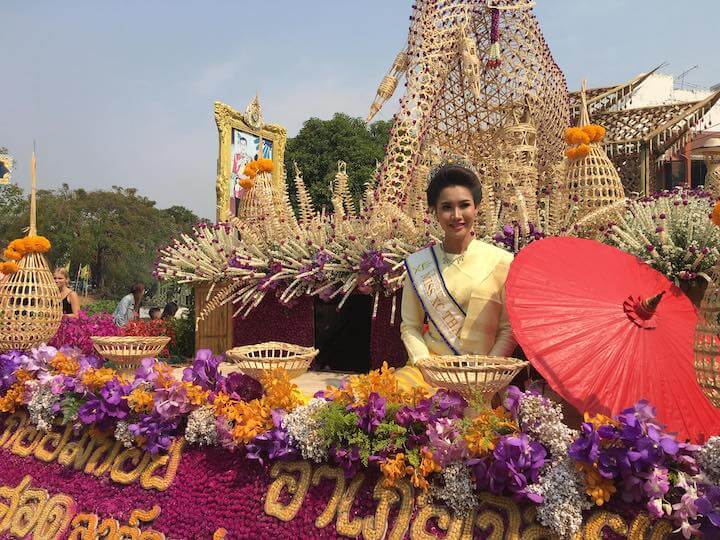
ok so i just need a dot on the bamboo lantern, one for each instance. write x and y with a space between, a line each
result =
707 341
30 303
593 178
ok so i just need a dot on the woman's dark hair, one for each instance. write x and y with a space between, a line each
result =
137 291
453 175
170 310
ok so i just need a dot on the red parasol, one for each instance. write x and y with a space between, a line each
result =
606 330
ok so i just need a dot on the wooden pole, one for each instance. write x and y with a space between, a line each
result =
33 188
688 164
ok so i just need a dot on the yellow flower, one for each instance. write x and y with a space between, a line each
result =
23 375
280 392
196 395
64 365
600 420
250 419
94 379
599 489
483 434
13 398
222 404
12 254
140 400
394 469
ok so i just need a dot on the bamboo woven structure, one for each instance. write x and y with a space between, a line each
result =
707 341
254 360
30 303
126 352
593 179
476 377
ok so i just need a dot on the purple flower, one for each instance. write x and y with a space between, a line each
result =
171 402
273 444
108 406
657 483
446 441
155 433
516 463
348 459
448 404
9 364
204 371
241 387
511 400
371 415
587 447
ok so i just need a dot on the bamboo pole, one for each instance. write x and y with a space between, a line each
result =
33 188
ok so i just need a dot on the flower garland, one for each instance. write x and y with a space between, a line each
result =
522 449
20 247
579 139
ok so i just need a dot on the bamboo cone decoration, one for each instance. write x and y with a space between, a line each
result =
593 178
30 303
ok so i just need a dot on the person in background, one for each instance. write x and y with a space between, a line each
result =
169 311
129 307
70 299
155 313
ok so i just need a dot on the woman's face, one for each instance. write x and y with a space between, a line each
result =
456 211
60 280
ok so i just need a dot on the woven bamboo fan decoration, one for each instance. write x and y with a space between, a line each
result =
591 177
30 303
707 341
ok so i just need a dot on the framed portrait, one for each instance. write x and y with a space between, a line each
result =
6 166
244 137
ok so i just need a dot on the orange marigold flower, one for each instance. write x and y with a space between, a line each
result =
715 216
65 365
9 267
483 434
12 254
247 183
576 135
570 153
582 151
13 398
95 379
251 169
140 400
23 375
265 165
221 404
394 469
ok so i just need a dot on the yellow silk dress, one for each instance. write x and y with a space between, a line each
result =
476 280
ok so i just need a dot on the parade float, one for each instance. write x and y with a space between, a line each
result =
102 442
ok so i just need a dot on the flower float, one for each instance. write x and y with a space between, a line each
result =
522 449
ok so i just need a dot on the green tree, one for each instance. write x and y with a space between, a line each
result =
320 144
116 232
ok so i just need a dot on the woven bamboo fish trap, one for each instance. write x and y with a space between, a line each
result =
30 303
254 360
476 377
593 179
707 342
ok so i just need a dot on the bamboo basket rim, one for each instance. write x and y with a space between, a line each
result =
482 363
296 351
127 340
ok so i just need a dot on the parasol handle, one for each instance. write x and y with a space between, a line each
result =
647 307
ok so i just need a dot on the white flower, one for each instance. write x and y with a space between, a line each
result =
40 408
709 459
459 490
123 434
304 430
542 420
201 428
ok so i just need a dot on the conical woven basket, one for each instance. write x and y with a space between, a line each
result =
30 305
707 341
477 378
253 360
593 179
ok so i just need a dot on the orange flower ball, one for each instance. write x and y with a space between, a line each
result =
582 151
715 216
247 183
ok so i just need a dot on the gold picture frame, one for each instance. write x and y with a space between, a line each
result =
249 123
6 167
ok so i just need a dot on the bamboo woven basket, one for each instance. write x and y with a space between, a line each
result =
126 352
477 378
254 360
30 305
707 342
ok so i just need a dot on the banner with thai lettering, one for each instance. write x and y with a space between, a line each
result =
83 485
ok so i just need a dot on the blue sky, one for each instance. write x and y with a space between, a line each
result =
121 93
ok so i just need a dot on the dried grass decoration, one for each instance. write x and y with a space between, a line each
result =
30 303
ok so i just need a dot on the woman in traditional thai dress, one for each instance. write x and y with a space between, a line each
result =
453 299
